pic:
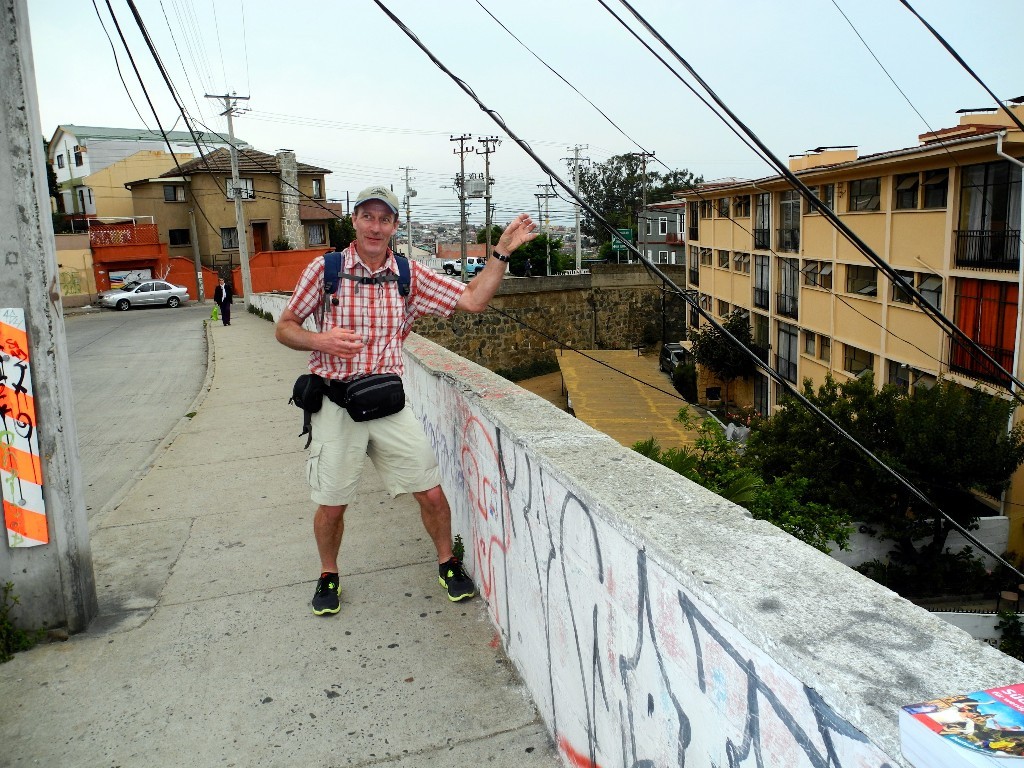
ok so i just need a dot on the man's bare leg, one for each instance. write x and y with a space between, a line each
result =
437 519
328 528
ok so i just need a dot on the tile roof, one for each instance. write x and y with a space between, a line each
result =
310 211
249 161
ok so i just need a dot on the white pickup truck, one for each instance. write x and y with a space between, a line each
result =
454 266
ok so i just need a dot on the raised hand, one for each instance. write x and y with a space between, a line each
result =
521 230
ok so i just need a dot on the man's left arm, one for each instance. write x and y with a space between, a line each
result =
481 289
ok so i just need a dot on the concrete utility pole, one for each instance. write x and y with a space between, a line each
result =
46 553
547 194
409 194
460 183
490 145
230 108
644 157
576 160
201 298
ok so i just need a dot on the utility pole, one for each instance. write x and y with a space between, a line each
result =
547 194
230 108
644 157
576 188
201 298
45 550
490 145
409 194
460 184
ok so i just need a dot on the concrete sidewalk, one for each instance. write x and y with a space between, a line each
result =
206 651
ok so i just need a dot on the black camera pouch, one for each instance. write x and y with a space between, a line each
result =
308 394
375 396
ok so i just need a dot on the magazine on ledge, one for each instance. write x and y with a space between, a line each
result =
984 728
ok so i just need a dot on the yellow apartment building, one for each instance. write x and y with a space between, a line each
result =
946 213
111 199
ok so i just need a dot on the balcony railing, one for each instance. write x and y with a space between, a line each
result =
694 276
763 239
965 360
988 249
789 240
123 234
786 304
761 298
786 368
673 237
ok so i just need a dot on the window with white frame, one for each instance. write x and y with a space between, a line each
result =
663 257
229 238
318 189
60 161
316 234
647 224
245 190
663 225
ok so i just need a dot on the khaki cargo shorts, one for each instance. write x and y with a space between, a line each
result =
395 444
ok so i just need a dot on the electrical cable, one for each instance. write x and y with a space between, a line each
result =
854 239
952 52
118 65
156 117
689 298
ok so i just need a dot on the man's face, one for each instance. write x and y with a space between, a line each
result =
374 223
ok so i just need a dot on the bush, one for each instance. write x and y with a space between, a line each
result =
281 244
684 378
1011 639
539 367
13 639
950 573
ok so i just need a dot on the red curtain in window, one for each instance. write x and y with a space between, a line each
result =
986 311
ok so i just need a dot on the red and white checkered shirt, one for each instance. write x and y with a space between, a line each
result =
379 313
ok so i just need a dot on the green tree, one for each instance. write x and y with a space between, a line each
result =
946 441
712 350
496 232
614 189
717 464
340 232
537 252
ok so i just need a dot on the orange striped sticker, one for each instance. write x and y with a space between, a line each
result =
29 524
13 341
21 464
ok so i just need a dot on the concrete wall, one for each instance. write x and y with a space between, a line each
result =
654 621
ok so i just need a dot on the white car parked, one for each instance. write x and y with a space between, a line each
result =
147 293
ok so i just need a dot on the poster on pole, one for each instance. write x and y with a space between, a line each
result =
21 469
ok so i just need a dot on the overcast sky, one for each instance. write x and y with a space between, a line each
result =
343 86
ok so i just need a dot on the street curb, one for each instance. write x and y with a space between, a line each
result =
163 445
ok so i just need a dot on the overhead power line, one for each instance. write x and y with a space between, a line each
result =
689 297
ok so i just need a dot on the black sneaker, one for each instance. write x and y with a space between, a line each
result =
454 579
327 598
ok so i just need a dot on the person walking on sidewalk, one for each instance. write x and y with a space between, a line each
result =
362 331
222 296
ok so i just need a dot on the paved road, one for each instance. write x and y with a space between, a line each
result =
133 376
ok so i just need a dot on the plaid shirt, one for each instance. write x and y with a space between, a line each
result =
379 313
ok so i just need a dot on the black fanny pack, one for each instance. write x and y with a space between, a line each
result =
373 397
370 397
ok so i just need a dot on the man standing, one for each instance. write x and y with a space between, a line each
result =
222 296
361 332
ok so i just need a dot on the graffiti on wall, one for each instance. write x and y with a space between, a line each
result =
21 473
626 667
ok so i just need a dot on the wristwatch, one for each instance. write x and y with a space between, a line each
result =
499 256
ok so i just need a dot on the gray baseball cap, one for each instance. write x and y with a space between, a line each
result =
378 192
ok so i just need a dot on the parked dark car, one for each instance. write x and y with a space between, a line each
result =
672 354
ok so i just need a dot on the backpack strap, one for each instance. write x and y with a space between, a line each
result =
404 275
332 271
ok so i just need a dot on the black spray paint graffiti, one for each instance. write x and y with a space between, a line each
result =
544 508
